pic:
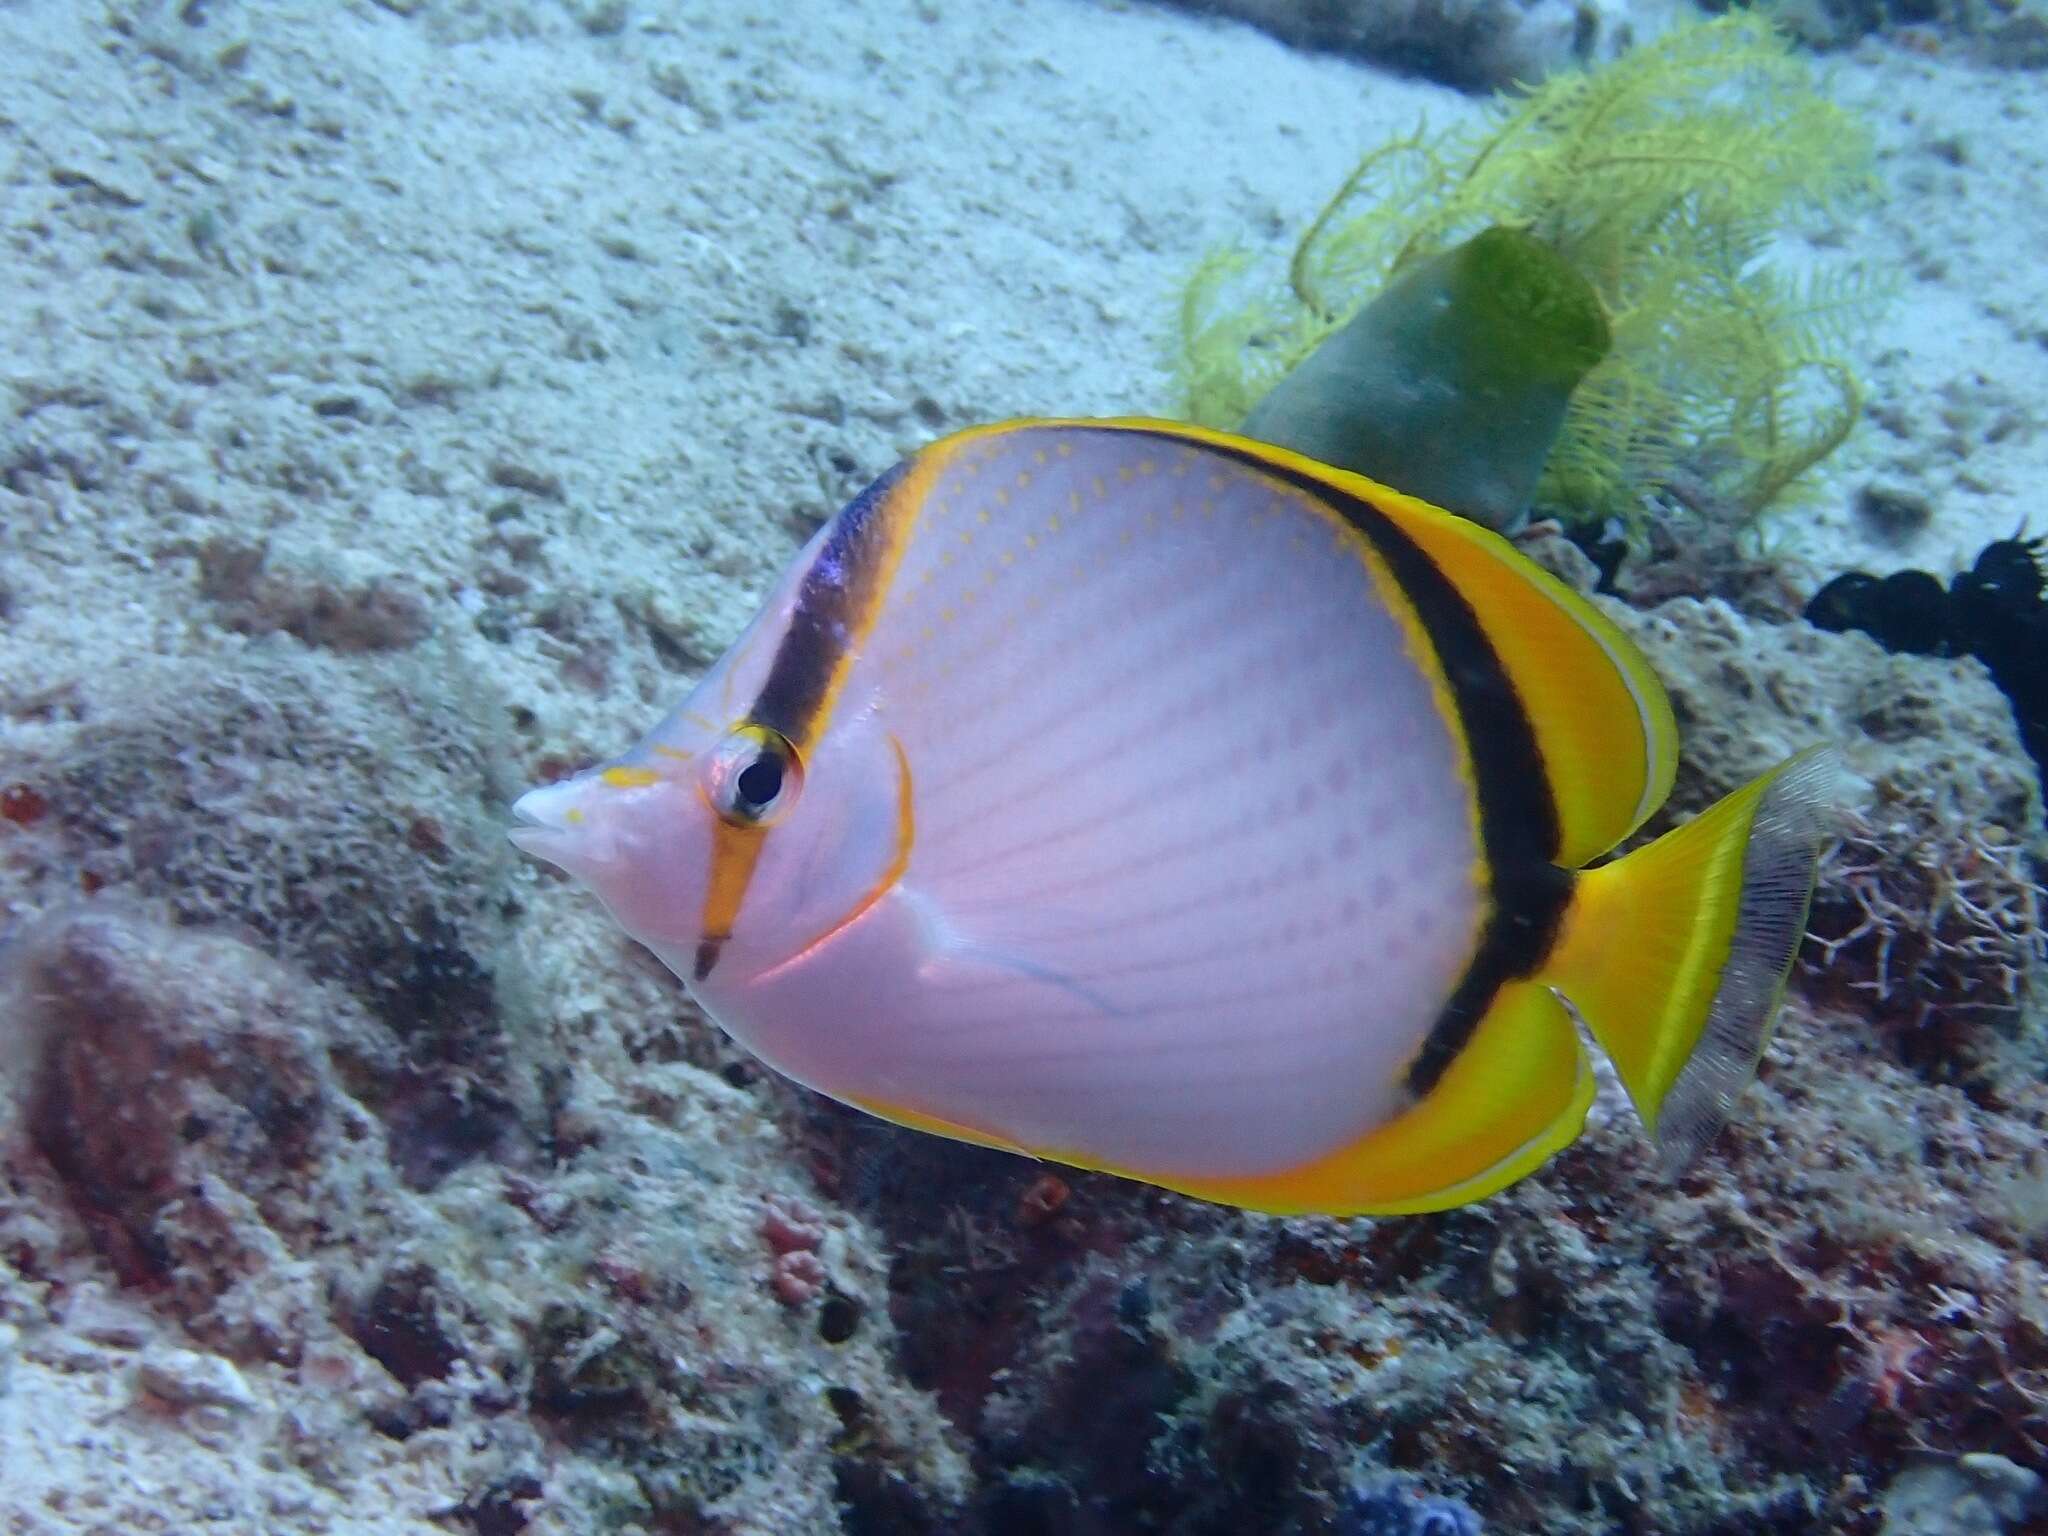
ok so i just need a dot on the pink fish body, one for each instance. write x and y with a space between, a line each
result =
1127 795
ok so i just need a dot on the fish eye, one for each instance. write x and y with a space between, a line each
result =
753 776
760 781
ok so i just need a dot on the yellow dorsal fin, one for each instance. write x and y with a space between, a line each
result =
1602 722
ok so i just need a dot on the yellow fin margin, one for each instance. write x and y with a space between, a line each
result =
1602 720
1507 1105
1513 1099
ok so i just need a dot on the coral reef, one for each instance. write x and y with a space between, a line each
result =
2009 33
1972 1495
592 1339
276 795
1392 1509
1474 44
353 1178
1629 173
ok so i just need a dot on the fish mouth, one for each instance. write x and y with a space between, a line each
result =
551 825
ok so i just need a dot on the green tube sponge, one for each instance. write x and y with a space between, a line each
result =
1662 179
1451 384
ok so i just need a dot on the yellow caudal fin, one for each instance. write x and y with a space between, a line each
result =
1675 956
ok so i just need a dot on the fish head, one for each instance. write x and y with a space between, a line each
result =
726 847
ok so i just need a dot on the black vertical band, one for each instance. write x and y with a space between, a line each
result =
1519 829
838 584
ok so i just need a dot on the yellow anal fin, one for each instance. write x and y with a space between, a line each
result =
936 1125
1513 1098
1677 953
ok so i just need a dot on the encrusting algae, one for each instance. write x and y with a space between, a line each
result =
1662 179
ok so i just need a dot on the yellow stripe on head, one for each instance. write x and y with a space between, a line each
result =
735 850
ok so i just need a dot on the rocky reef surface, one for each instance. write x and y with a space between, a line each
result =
405 401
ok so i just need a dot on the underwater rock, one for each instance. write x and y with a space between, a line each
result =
185 1378
1472 44
175 1085
1393 1508
178 1083
2009 33
1969 1495
336 811
1928 918
252 597
1929 735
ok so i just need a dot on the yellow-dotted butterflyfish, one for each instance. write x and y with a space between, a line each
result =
1158 801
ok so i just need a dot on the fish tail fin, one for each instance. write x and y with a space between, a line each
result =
1675 956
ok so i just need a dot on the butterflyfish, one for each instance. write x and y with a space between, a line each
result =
1154 800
